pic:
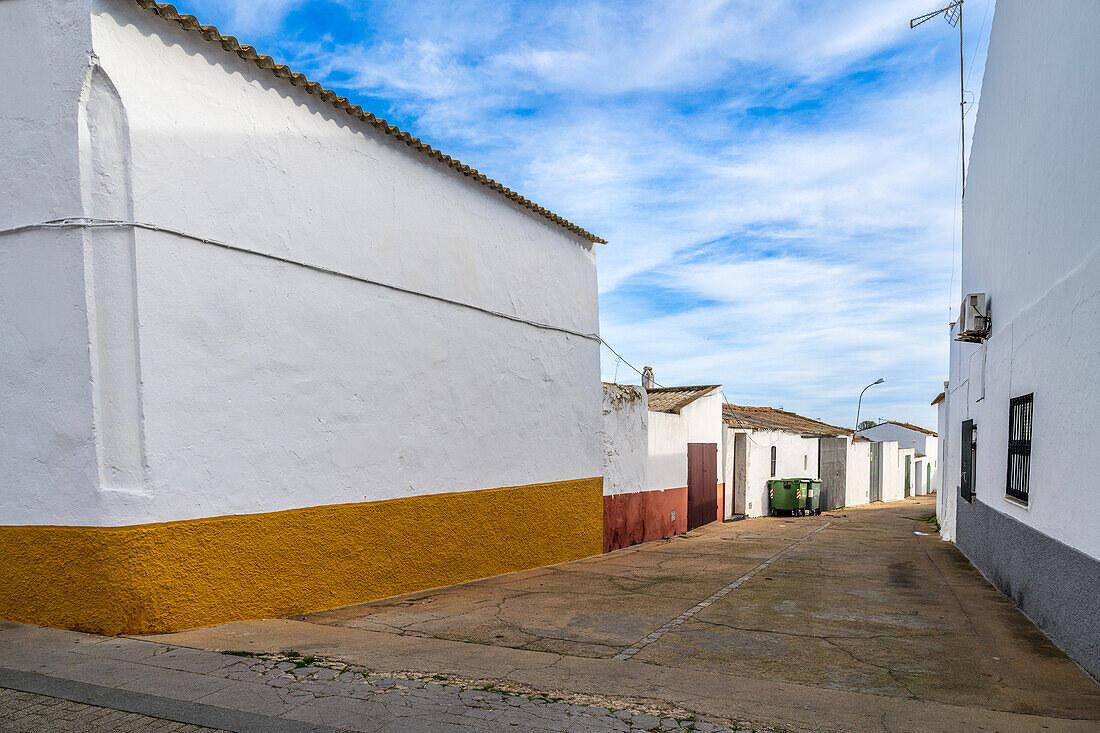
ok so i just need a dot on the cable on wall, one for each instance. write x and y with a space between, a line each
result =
91 223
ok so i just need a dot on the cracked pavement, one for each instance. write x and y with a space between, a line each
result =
847 621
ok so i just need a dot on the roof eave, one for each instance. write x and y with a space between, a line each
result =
248 53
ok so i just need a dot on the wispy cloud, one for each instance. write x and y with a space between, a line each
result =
775 178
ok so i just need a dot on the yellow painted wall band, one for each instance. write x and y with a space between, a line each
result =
156 578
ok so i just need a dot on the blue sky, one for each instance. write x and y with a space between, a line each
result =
777 180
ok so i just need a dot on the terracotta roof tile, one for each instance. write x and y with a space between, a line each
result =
673 399
248 53
769 418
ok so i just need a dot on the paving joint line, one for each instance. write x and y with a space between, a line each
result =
717 595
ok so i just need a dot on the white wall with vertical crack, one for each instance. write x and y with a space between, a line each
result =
227 382
625 439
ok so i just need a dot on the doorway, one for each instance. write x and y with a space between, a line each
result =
908 476
702 484
740 473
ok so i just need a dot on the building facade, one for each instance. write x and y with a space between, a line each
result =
1021 404
924 471
681 488
763 443
264 353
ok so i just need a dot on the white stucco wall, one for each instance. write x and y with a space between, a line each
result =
260 385
858 490
796 457
625 438
699 421
892 487
46 434
1032 243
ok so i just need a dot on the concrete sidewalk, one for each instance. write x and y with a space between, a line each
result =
64 681
860 619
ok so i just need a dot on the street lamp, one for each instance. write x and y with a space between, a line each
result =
860 403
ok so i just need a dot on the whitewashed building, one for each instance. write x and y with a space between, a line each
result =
663 457
1021 405
924 463
763 443
262 352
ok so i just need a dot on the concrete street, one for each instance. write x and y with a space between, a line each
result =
858 619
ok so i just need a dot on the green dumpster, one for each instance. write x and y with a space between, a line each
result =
813 496
783 496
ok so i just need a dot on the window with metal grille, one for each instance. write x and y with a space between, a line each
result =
1019 447
773 460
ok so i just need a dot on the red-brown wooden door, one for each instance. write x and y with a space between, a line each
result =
702 484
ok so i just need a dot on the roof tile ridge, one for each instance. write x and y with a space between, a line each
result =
249 53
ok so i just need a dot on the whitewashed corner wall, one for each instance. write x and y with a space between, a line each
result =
625 436
226 382
46 433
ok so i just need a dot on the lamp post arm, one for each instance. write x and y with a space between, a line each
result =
859 405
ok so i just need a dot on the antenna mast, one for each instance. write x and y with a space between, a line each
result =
953 14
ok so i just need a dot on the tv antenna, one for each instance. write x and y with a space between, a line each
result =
953 14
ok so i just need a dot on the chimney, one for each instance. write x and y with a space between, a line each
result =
647 378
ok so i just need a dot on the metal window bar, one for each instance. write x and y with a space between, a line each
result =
773 460
1019 447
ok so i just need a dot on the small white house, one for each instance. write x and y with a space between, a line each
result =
663 452
924 462
262 352
1019 435
764 443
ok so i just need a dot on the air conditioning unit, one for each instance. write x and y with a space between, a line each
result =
974 318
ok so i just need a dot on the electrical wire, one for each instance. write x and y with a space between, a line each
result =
748 429
624 361
92 223
978 45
